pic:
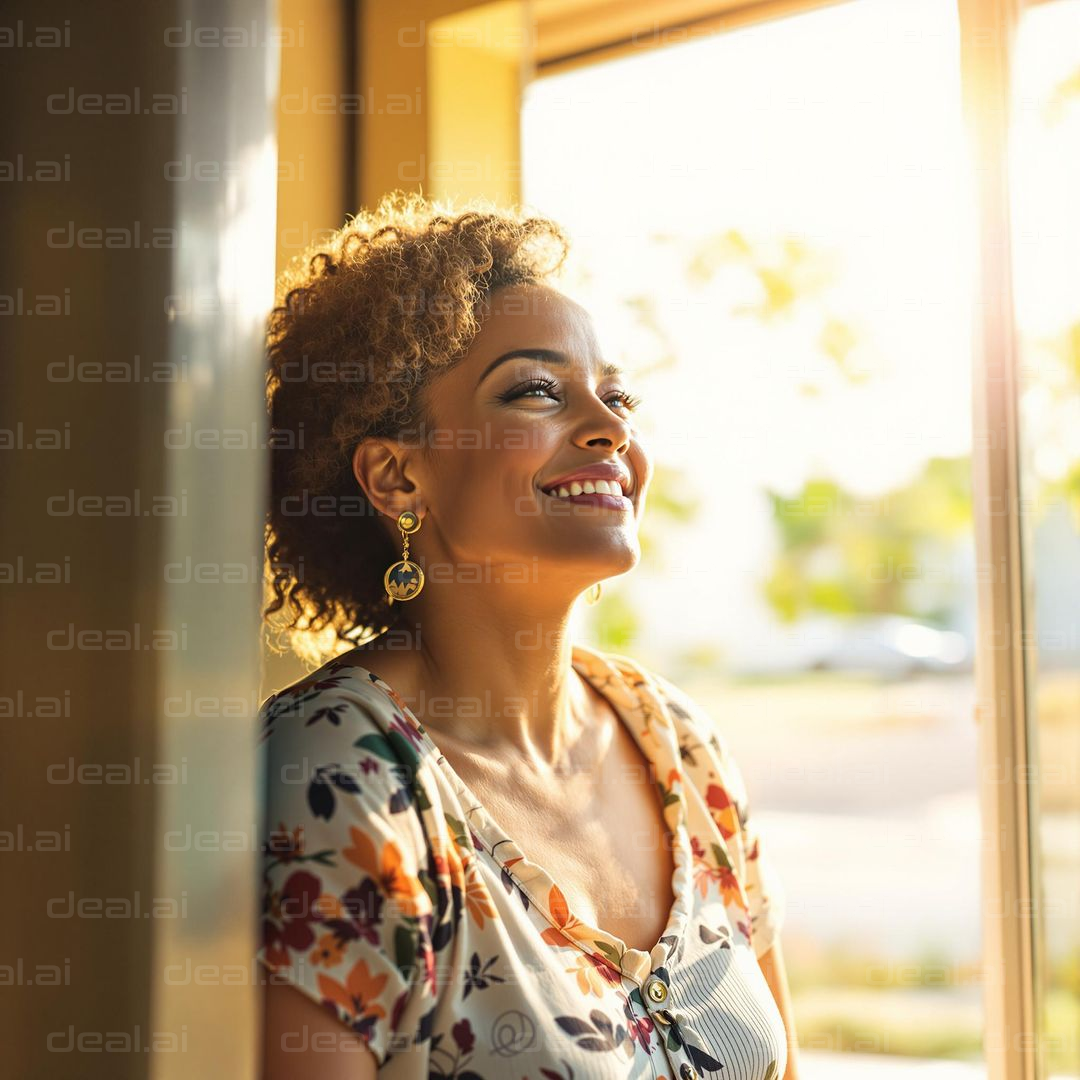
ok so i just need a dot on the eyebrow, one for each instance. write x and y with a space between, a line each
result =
545 356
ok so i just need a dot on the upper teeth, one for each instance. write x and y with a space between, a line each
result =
587 487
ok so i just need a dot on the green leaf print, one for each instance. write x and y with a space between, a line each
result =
405 948
721 857
377 745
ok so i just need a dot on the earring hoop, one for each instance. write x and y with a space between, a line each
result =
404 579
593 595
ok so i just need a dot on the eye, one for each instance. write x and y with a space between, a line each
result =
629 401
531 388
539 386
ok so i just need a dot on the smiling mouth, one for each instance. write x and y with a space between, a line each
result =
602 493
584 487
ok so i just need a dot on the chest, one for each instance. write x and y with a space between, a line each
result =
615 874
600 835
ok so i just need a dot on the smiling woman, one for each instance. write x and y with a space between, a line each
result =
363 324
488 850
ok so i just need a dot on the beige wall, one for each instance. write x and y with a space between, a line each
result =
312 128
430 104
395 70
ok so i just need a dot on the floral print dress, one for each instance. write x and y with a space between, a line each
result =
393 899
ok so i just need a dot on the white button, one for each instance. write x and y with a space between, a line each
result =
657 990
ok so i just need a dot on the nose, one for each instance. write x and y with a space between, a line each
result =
602 427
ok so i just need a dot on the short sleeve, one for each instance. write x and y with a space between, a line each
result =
765 894
345 915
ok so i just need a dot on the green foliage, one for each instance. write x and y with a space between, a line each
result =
1065 973
843 1033
614 623
702 657
671 497
648 318
1060 381
840 554
787 270
845 1000
1065 96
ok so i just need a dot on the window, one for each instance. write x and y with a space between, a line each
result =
775 224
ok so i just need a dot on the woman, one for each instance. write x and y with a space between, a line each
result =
489 851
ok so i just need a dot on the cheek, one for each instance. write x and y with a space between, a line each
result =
515 456
489 471
479 486
525 438
642 463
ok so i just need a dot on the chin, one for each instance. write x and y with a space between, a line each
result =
620 562
591 560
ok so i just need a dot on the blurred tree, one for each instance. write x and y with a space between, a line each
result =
842 554
1065 96
1052 370
790 277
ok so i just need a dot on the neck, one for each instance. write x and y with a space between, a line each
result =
499 660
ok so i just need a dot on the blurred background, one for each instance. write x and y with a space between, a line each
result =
837 243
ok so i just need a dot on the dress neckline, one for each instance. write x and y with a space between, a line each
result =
627 690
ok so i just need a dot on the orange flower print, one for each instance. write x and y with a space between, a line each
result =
569 926
718 872
358 997
328 951
477 898
388 870
448 859
722 809
594 975
461 869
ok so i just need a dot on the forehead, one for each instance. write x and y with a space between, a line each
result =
534 316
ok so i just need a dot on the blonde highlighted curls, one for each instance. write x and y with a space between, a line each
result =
364 321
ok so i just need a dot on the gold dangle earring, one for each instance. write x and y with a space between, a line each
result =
404 580
593 595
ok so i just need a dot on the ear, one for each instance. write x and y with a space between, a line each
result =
380 468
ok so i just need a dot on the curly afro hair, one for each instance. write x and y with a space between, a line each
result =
363 322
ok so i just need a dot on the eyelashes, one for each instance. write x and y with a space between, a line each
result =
549 388
630 401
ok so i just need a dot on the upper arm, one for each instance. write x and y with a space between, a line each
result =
342 897
300 1038
771 962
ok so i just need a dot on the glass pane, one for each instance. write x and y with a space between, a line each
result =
772 226
1045 168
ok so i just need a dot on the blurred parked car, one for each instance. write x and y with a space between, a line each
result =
888 645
